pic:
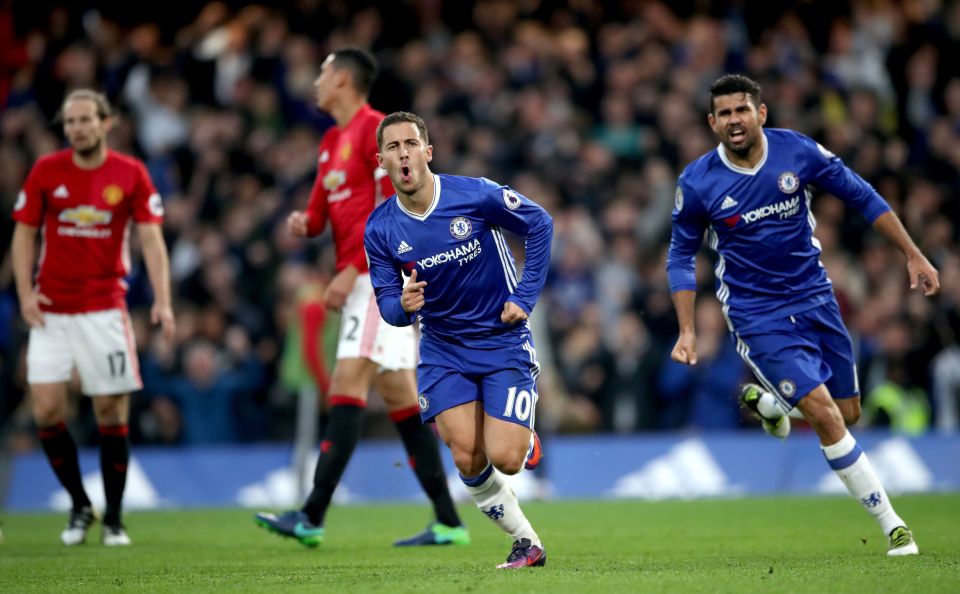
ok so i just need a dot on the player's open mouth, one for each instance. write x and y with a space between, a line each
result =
405 172
737 135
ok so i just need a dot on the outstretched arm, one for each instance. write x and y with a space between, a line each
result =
922 273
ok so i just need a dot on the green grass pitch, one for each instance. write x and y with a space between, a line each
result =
789 544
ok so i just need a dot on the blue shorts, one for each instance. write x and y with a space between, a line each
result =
503 379
791 356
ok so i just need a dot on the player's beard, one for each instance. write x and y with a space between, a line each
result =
743 150
90 151
417 181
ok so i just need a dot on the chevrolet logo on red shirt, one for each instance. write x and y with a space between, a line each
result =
85 216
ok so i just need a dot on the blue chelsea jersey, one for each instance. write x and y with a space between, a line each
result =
760 224
457 246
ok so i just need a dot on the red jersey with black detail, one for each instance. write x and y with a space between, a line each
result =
84 217
349 184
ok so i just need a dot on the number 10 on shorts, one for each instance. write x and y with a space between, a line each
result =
519 404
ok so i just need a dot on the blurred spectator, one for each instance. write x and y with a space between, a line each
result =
895 404
213 396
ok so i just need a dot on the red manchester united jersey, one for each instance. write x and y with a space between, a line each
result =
349 184
84 216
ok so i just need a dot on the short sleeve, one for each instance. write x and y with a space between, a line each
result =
147 203
29 206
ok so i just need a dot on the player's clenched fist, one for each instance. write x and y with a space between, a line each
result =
412 298
512 313
297 223
685 351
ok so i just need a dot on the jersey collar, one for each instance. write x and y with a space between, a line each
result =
433 205
744 170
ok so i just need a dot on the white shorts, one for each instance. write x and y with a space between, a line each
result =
364 334
99 344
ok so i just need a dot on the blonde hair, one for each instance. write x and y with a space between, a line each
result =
99 99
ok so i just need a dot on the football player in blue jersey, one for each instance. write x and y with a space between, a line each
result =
752 197
478 367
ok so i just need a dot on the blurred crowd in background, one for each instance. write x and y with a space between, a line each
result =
590 108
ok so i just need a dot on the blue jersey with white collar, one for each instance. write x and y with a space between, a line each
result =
760 224
458 248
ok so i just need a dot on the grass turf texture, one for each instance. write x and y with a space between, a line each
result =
820 544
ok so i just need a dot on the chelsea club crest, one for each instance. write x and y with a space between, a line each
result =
788 182
460 227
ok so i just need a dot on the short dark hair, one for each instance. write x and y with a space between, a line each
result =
361 64
99 99
399 117
729 84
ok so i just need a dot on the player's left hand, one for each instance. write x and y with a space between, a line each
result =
335 295
163 315
923 274
512 313
685 351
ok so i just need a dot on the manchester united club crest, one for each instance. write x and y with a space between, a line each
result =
460 227
345 151
788 182
113 194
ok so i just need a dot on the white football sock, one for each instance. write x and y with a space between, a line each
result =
854 469
496 499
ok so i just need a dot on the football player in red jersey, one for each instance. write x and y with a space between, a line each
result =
84 198
348 185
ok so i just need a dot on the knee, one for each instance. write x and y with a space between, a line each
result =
851 411
509 461
109 411
46 414
827 417
468 461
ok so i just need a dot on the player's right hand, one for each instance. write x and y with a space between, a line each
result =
297 223
685 351
30 308
412 297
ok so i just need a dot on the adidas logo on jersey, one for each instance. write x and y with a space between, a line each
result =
61 192
728 202
403 248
